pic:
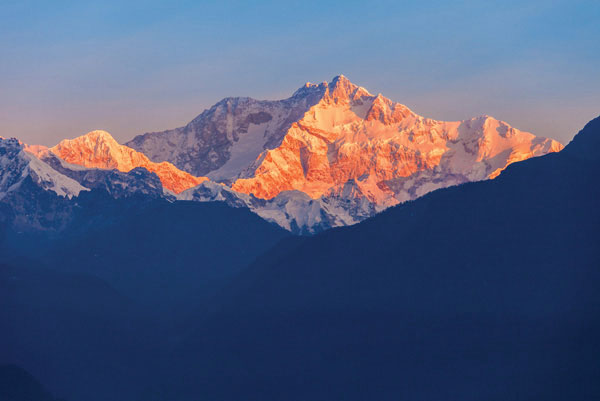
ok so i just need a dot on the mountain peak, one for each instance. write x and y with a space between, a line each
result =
100 135
310 89
341 86
17 164
340 78
335 139
99 140
99 132
341 89
98 149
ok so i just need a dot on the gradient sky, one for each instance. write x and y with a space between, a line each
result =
70 67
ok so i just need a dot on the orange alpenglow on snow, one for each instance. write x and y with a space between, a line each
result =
36 150
98 149
388 151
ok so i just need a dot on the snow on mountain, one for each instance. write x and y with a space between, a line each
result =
331 155
297 212
293 210
117 184
17 166
45 194
98 149
336 148
392 154
228 137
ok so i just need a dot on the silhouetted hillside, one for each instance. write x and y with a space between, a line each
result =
92 309
168 255
16 384
483 291
73 332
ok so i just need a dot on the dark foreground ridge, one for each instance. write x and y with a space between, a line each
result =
485 291
16 384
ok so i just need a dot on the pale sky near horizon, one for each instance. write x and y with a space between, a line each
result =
68 67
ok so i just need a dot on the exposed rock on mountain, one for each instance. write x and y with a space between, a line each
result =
227 138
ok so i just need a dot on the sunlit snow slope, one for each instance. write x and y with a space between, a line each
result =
100 150
338 140
330 155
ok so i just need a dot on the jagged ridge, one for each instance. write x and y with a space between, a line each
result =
338 144
390 153
332 154
98 149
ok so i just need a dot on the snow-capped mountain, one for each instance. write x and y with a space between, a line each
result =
392 154
337 148
33 196
331 155
40 194
17 167
136 182
98 149
293 210
225 139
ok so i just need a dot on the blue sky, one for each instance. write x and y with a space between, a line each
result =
131 67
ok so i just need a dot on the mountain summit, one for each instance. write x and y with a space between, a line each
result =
98 149
18 168
330 137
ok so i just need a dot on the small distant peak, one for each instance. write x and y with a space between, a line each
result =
99 135
99 132
340 77
362 92
487 120
381 101
309 88
341 89
340 80
95 137
309 85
